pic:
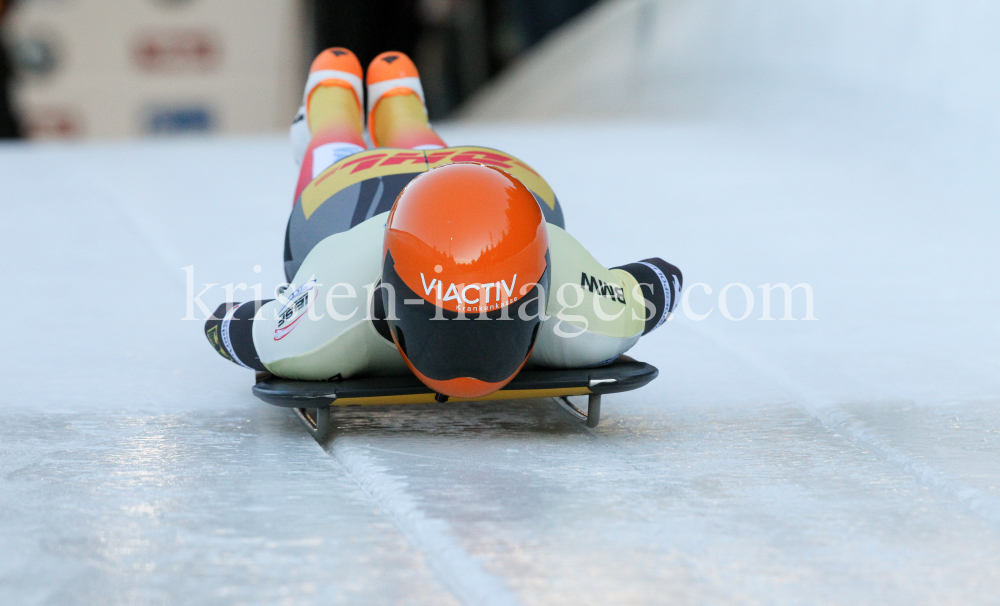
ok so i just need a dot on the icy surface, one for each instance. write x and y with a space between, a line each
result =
847 460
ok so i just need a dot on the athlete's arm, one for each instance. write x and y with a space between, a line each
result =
595 313
322 325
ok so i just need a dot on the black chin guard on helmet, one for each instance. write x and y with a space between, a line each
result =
442 344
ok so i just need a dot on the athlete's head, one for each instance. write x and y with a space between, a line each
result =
466 256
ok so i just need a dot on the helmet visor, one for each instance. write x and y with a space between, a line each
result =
442 344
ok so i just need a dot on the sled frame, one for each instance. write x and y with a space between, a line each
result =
312 401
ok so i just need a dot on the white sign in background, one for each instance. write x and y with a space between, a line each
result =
112 69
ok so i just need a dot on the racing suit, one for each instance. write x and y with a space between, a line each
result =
330 321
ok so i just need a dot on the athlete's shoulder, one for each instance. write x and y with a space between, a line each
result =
346 251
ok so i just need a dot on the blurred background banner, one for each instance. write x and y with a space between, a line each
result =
110 68
115 69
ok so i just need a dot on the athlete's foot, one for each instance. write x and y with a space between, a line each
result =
331 104
397 115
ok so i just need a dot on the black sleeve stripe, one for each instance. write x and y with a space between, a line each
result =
241 334
662 295
213 330
675 279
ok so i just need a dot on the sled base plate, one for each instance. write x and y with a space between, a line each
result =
312 400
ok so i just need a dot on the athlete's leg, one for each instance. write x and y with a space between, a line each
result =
397 116
331 112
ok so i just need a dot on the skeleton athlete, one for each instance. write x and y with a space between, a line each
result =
448 262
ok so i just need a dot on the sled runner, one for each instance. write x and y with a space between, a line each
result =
313 400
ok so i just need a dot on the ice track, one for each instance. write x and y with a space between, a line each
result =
850 460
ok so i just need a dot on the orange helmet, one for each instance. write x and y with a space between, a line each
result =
465 243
